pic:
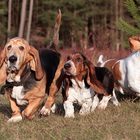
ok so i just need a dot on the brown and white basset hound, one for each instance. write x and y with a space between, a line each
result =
29 74
82 84
25 78
118 67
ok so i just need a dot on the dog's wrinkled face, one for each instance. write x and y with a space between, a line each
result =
74 65
16 51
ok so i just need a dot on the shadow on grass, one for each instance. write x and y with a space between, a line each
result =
5 110
132 97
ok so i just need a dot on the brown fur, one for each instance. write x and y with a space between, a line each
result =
134 42
36 94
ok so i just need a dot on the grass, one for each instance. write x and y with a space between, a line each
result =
115 123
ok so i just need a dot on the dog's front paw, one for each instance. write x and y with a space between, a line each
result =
102 106
15 119
45 111
69 116
84 112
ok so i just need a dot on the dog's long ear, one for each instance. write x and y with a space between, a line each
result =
36 64
134 42
2 57
92 79
2 66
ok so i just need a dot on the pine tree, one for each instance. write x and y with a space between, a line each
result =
131 27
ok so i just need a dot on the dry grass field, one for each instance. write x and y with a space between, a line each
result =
114 123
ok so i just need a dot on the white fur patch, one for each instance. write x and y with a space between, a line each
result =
18 94
17 78
69 109
81 95
73 68
53 108
45 111
130 72
95 103
114 99
100 59
103 103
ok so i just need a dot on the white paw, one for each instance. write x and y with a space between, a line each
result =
102 106
116 104
15 119
53 108
84 111
45 111
69 116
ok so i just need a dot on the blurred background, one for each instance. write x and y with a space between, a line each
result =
85 23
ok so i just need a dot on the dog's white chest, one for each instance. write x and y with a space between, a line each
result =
18 94
78 91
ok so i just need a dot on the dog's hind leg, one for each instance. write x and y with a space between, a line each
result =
114 99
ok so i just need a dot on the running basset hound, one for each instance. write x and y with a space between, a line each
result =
83 83
29 74
125 70
126 73
25 78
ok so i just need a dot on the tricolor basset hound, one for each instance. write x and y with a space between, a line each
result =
121 67
83 83
29 74
126 73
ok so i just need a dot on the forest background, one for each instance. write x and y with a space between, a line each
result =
85 23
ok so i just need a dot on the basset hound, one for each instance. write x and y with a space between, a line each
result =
126 73
25 78
113 64
82 84
29 74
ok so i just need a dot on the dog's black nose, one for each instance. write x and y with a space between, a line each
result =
67 66
12 58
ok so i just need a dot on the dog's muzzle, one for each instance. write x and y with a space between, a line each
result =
69 68
12 64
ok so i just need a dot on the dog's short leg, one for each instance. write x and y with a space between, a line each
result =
103 103
55 86
31 108
16 115
86 106
114 99
95 102
69 109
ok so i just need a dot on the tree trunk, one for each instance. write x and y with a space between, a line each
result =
22 18
29 20
9 18
117 32
90 32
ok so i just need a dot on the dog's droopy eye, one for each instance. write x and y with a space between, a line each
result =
9 47
21 48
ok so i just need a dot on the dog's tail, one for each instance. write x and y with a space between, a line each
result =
55 42
100 60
